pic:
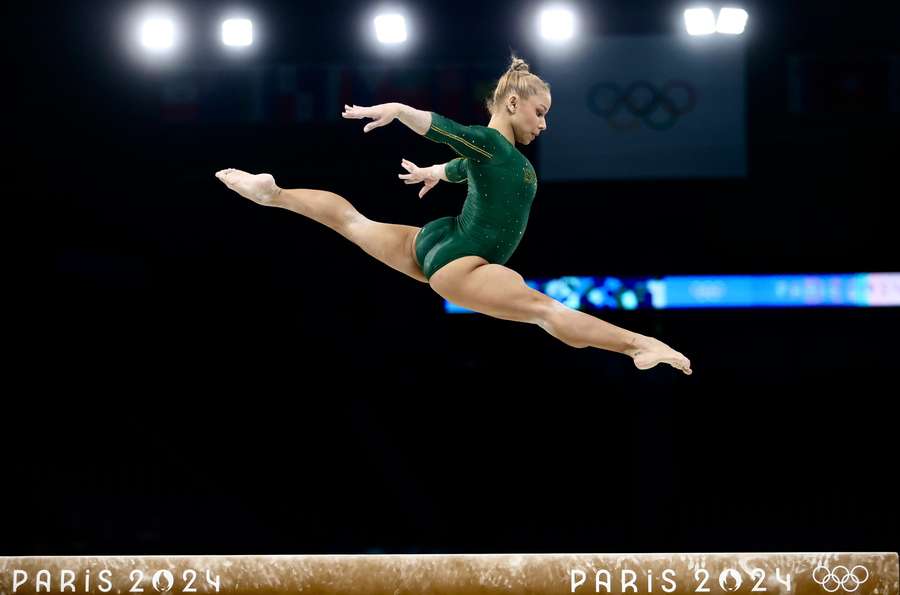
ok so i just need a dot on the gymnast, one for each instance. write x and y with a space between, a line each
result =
462 258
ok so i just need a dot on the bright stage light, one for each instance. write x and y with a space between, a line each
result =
699 21
390 28
158 34
237 32
731 21
557 24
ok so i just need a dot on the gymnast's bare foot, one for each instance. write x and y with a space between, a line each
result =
647 352
259 188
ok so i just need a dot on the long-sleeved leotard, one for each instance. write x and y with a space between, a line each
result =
502 184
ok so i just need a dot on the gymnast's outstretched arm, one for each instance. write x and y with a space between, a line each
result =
470 142
417 120
385 113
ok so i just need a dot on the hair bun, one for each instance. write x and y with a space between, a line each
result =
518 65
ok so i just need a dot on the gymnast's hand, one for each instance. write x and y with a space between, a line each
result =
417 174
383 114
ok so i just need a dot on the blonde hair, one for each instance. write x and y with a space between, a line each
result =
518 80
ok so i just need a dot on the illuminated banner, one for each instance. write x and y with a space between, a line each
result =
645 107
681 574
862 290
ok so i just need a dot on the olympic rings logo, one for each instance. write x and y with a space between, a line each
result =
658 109
839 578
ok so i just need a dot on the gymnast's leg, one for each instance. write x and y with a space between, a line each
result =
495 290
393 245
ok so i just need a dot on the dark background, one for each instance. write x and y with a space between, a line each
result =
191 373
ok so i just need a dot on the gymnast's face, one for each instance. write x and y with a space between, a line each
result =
528 117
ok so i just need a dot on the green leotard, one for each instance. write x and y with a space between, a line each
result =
502 185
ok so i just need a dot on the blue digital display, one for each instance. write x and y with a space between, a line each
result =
725 291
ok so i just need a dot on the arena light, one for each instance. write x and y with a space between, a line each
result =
390 28
731 21
158 34
237 32
557 23
699 21
152 34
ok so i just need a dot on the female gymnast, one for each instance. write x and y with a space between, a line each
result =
462 257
